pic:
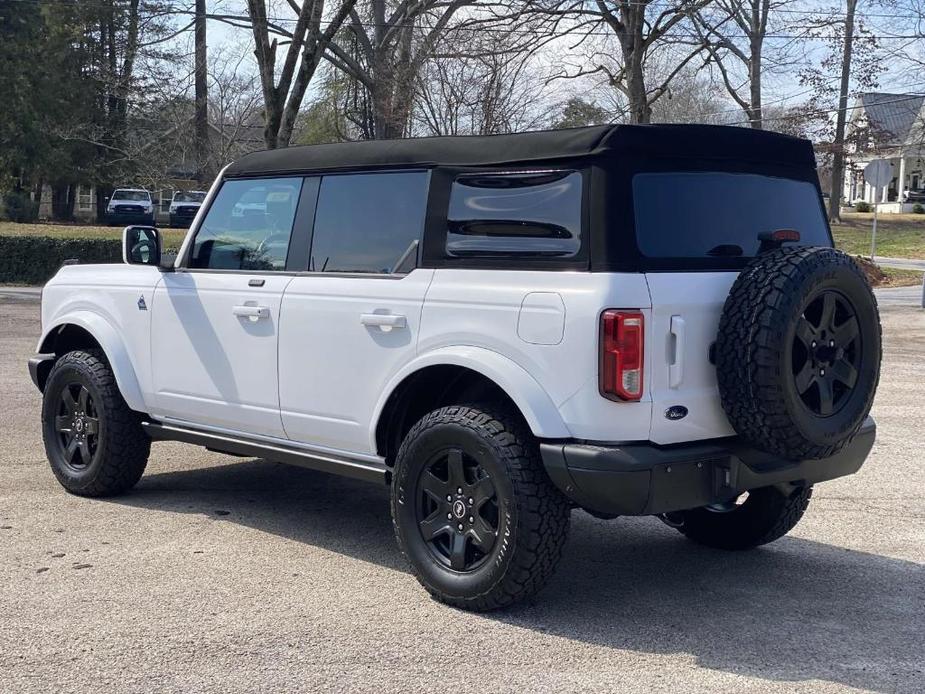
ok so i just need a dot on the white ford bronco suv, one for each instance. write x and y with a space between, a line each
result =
631 320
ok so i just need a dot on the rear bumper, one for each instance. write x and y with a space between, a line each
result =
644 479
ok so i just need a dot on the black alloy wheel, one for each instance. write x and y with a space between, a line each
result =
474 512
457 510
826 353
77 424
94 442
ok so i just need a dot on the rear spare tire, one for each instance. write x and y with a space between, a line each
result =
798 352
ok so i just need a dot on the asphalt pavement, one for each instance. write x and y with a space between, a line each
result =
219 574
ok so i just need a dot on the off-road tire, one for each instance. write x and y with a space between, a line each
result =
766 515
757 352
122 447
533 520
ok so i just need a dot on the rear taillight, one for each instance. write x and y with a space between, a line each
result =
622 342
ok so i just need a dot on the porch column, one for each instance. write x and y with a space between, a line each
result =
901 181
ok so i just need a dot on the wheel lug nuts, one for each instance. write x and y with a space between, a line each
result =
814 343
470 499
471 519
449 516
459 490
449 498
822 372
831 343
460 526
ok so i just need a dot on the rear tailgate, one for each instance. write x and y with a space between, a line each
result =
686 308
700 240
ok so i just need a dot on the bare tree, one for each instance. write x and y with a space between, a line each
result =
641 28
852 55
484 85
284 86
385 48
735 56
202 92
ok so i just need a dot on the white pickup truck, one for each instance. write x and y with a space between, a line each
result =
632 320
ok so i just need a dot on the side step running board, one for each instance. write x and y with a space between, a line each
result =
362 470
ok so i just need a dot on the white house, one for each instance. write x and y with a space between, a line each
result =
892 127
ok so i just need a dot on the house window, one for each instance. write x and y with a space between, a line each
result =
84 198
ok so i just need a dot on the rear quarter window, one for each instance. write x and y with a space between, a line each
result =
531 214
715 214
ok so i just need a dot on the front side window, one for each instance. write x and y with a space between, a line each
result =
248 226
533 214
369 223
717 214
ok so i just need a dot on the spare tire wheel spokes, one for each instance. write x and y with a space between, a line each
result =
828 372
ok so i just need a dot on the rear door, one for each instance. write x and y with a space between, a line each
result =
352 320
694 225
216 321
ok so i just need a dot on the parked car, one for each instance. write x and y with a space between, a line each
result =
184 206
130 206
630 320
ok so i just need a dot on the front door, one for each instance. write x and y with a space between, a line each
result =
216 321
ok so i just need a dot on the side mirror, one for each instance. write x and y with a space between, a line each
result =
141 245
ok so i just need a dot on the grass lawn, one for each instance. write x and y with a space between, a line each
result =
172 237
901 278
898 235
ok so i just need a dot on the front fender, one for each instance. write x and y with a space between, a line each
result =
108 338
535 405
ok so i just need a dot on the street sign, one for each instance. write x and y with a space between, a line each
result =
878 173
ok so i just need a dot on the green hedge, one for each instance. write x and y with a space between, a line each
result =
34 259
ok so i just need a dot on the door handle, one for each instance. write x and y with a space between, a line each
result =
676 367
384 321
254 313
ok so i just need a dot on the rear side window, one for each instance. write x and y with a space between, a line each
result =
531 214
715 214
369 223
248 226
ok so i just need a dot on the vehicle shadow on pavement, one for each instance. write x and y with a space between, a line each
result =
794 611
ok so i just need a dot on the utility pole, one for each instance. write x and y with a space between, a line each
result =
202 95
838 160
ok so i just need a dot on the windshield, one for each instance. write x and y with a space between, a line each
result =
711 214
188 196
134 195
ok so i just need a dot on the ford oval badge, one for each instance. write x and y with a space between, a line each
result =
676 412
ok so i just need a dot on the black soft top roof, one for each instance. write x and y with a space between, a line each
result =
706 142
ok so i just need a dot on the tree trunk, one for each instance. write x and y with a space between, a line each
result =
755 115
62 201
202 95
633 48
838 145
640 111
